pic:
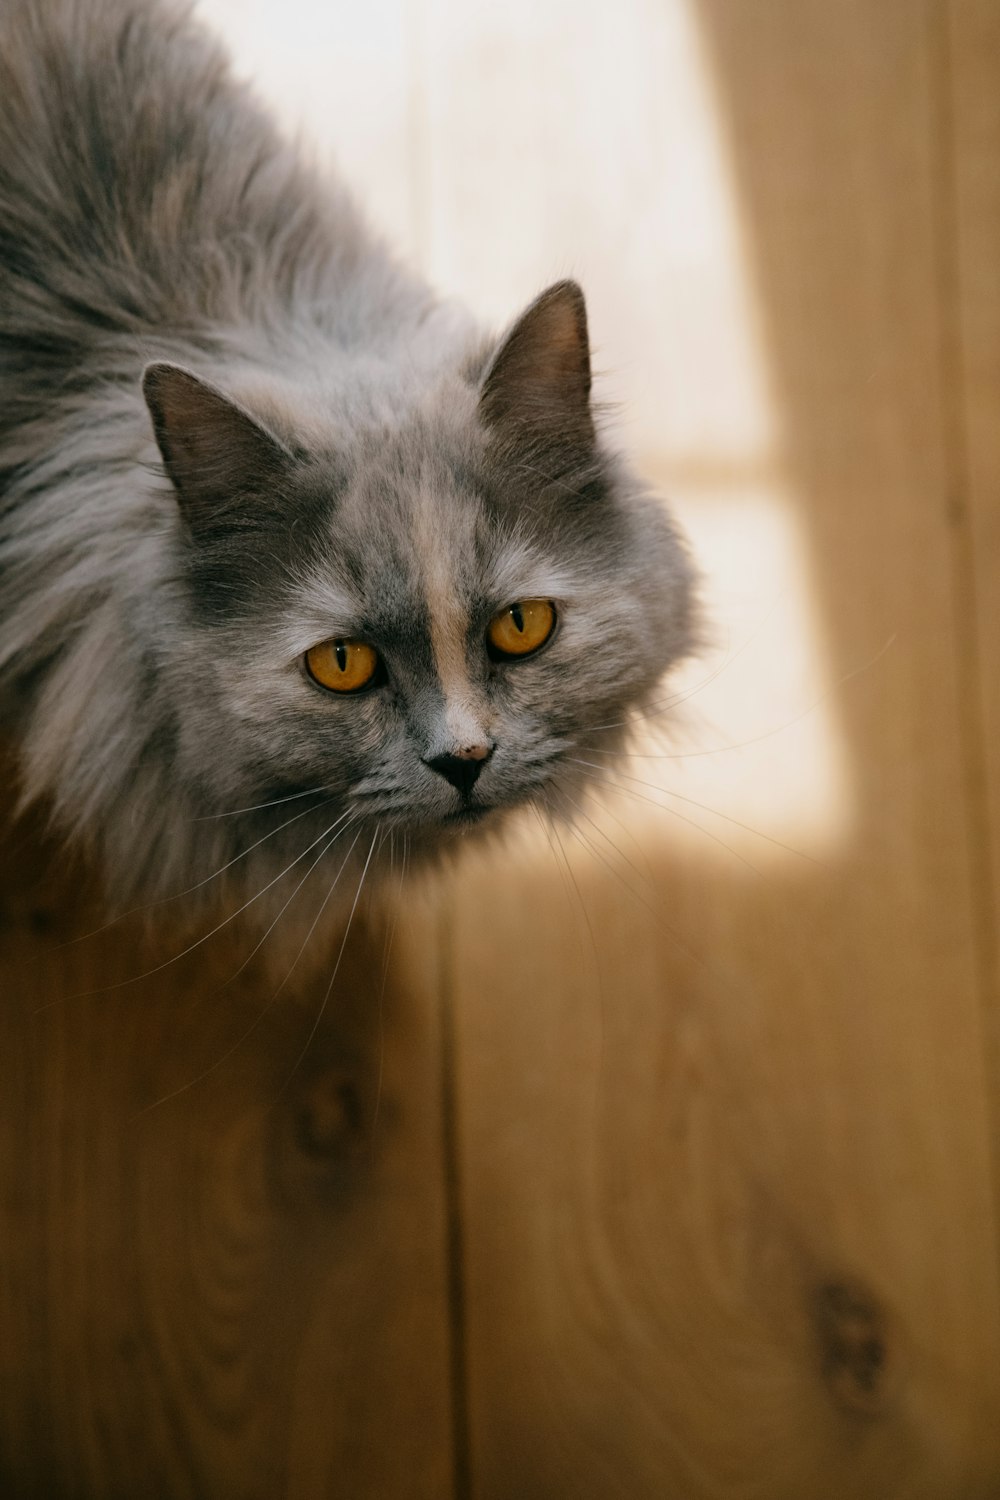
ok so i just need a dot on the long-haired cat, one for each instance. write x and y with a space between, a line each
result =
297 565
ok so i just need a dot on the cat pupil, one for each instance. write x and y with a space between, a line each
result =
341 652
517 617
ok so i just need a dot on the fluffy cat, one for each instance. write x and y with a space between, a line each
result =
296 564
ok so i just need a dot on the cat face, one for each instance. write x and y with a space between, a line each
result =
428 616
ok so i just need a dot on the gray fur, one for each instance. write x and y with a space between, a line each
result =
370 449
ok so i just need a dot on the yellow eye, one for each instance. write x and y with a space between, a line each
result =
342 666
521 628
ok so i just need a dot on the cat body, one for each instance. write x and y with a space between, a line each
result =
235 433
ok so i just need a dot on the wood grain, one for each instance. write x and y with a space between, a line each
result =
690 1191
240 1290
728 1203
970 43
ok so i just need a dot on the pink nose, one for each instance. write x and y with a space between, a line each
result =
473 752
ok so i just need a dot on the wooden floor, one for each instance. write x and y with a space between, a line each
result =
653 1170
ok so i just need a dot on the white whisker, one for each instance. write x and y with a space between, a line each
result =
627 791
287 903
385 976
583 907
137 978
670 932
177 895
548 831
336 968
666 704
703 806
315 921
757 739
316 791
245 1036
582 812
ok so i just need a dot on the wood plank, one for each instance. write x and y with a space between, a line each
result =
728 1212
243 1291
971 106
240 1290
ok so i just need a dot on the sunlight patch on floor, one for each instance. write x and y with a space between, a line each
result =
751 728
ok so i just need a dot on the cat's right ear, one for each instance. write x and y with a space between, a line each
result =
218 456
538 382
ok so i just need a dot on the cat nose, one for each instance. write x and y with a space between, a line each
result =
461 768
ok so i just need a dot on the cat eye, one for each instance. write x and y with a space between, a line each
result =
343 666
521 628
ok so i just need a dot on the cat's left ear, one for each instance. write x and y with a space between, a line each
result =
538 381
217 454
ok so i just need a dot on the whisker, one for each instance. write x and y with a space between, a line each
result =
670 932
595 853
384 832
598 975
315 921
758 738
177 895
583 908
682 947
547 831
666 704
385 976
267 1006
333 977
704 807
236 812
627 791
137 978
569 881
640 851
286 904
582 812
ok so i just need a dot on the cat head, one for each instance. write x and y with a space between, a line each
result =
419 591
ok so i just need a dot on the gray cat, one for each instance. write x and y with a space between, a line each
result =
297 567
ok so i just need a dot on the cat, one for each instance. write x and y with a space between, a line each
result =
298 566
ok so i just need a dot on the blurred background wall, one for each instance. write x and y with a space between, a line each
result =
663 1162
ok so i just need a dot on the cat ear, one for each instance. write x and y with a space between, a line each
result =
216 453
539 378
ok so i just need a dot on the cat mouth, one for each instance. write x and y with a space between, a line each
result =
467 815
